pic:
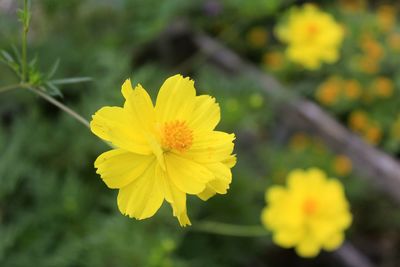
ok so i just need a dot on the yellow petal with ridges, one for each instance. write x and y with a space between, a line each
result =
119 167
189 176
206 114
142 197
176 99
114 124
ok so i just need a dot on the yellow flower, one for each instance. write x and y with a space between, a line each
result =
383 87
299 141
329 91
358 120
386 17
352 5
273 60
395 129
394 41
313 36
163 151
352 89
310 213
342 165
257 37
373 134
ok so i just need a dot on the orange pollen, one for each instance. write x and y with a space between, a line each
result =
309 206
176 135
312 29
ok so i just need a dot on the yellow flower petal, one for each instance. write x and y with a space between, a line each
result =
308 248
189 176
115 125
206 114
143 197
210 147
118 167
175 197
176 99
220 184
333 242
140 106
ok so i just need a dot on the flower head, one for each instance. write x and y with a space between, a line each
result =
310 213
163 151
312 36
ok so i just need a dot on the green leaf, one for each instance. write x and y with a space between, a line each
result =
7 56
53 69
16 53
54 90
72 80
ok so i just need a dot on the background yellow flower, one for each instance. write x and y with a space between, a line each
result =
309 214
313 36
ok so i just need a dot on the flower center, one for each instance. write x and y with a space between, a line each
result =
310 206
312 30
176 135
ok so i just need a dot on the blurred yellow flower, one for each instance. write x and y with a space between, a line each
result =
383 87
395 129
164 151
311 213
257 37
358 120
299 141
386 17
273 60
329 91
394 41
352 5
313 36
352 89
373 134
342 165
371 47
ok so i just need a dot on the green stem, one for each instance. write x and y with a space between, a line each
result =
229 229
24 53
10 87
60 105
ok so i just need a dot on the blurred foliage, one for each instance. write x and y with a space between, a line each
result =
54 209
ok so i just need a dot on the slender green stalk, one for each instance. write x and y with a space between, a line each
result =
24 53
229 229
60 105
9 87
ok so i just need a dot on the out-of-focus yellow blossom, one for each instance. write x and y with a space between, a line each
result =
395 129
352 89
371 47
329 91
273 60
342 165
383 87
353 5
313 36
163 151
256 100
311 213
386 17
257 37
368 64
299 141
373 134
394 41
358 120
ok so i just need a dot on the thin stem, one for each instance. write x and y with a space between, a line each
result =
60 105
9 87
229 229
24 41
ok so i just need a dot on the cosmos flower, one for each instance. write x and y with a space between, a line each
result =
313 36
163 151
309 214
